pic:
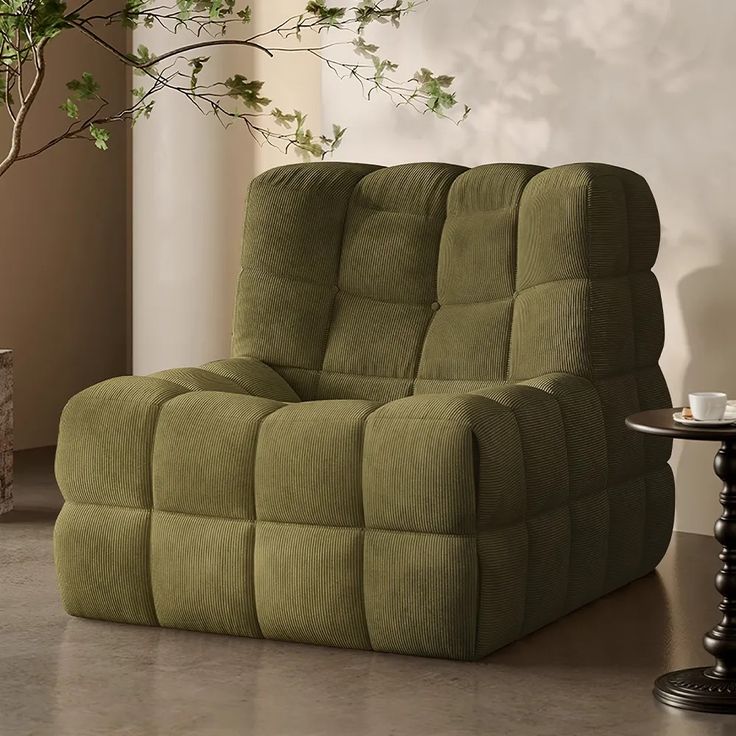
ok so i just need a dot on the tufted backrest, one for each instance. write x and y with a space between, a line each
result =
366 282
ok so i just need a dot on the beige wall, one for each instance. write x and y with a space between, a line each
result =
190 177
645 84
62 252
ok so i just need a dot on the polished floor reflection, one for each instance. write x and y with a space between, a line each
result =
590 673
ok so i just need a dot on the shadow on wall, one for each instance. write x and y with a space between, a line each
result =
542 67
547 83
707 302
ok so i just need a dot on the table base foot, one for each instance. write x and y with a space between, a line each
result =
696 689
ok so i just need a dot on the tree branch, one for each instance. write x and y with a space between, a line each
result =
174 52
234 98
75 128
26 102
201 45
101 42
19 62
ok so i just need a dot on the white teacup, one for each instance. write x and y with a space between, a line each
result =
708 405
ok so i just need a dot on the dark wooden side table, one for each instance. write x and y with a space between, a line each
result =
709 689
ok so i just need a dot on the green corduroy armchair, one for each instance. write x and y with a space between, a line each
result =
418 445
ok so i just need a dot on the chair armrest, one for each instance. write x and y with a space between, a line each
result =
106 439
467 463
106 432
572 405
238 375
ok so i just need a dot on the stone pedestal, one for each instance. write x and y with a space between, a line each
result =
6 431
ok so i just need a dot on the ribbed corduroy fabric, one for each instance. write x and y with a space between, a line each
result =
418 446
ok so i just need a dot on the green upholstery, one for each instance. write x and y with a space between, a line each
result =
418 445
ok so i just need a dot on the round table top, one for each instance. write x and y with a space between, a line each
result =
660 421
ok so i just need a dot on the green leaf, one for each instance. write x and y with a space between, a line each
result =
370 11
142 55
337 134
245 14
423 76
304 139
382 66
130 15
247 90
100 136
85 88
47 17
214 9
434 90
364 49
281 118
71 109
197 64
328 16
330 144
224 8
300 118
144 111
185 8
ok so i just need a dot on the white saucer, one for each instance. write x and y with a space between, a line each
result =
730 418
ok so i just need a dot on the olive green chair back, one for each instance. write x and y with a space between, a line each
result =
366 282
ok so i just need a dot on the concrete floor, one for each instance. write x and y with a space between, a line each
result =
590 673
